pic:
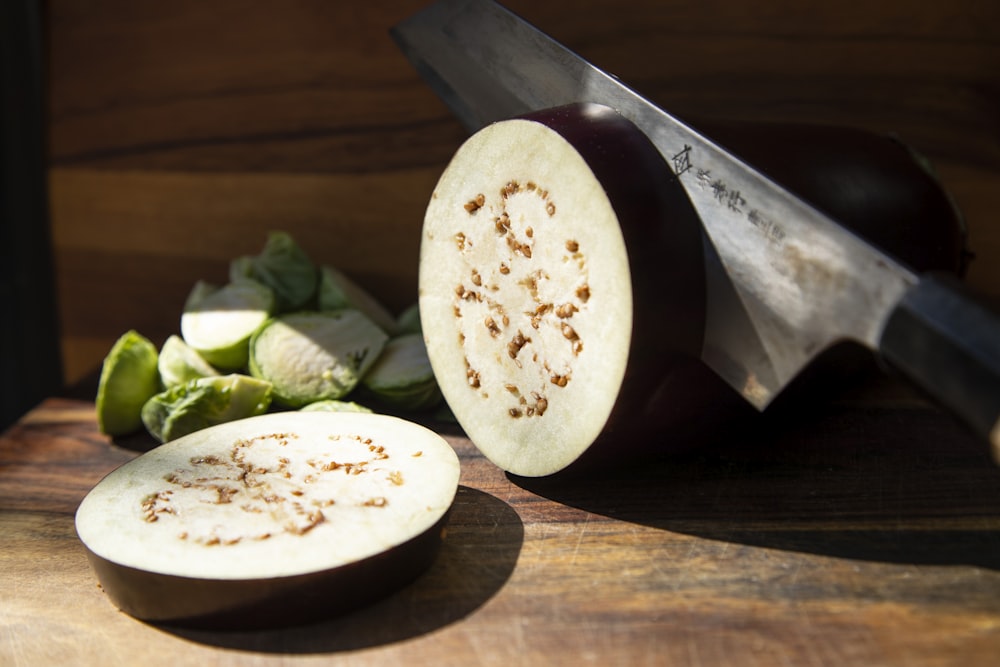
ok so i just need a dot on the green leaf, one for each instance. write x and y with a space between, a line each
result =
282 266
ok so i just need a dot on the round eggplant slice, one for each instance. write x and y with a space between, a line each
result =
561 282
271 520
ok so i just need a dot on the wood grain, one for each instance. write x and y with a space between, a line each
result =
181 132
866 532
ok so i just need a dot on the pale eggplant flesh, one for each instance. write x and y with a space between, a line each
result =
268 521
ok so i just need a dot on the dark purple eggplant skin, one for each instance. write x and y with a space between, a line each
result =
873 184
258 604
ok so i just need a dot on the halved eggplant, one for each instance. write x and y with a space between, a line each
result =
561 280
270 520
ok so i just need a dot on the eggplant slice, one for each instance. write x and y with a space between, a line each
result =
272 520
561 284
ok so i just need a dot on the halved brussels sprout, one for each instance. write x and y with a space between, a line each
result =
128 378
337 291
331 405
180 363
218 321
314 356
402 376
409 320
204 402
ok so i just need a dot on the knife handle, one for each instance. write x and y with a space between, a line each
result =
948 344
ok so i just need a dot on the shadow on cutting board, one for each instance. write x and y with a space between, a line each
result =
478 555
898 483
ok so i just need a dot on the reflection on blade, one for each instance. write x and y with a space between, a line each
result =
732 347
784 281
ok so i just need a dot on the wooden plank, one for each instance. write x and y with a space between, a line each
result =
866 534
158 88
130 244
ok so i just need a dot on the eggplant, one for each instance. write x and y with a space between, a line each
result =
561 279
272 520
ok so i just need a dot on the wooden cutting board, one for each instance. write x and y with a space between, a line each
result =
866 532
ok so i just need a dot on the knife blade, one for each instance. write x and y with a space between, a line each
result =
784 281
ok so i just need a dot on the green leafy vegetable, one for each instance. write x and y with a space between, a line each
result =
218 321
335 406
402 376
128 378
282 266
240 348
337 291
180 363
204 402
314 356
409 321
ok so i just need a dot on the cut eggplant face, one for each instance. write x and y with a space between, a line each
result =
270 520
560 276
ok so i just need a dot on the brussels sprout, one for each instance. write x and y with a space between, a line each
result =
180 363
313 356
218 321
335 406
337 291
204 402
402 376
284 267
408 321
128 378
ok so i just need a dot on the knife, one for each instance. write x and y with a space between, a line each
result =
784 281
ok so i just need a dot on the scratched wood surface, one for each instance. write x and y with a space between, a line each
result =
864 533
181 132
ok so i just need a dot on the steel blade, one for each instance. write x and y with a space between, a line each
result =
784 280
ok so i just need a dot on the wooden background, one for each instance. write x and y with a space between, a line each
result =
181 132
